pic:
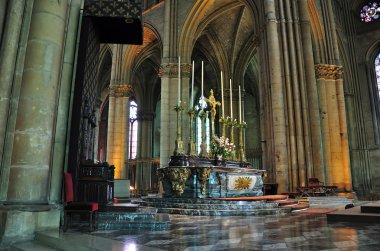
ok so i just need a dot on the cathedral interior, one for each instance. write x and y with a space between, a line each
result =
110 84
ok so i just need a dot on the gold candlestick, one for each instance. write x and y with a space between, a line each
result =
178 142
232 124
203 116
192 147
241 155
223 121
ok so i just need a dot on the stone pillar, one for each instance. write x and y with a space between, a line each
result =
3 8
118 127
30 164
169 82
144 159
169 99
277 98
8 55
312 93
60 159
334 127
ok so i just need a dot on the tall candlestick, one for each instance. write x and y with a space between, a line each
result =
239 104
179 81
221 83
232 113
202 80
192 87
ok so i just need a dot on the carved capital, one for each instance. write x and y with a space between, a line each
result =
326 71
121 90
171 70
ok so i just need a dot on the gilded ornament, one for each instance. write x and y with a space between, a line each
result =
242 183
203 176
177 178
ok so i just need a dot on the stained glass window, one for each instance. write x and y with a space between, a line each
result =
370 12
377 69
133 124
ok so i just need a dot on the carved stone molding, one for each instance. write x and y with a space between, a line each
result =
171 70
326 71
120 90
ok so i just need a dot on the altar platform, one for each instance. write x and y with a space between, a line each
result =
206 180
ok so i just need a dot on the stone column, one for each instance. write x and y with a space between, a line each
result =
277 98
30 163
144 160
118 127
169 82
31 159
66 86
169 99
312 93
8 55
3 8
334 127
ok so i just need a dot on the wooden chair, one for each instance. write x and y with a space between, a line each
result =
73 207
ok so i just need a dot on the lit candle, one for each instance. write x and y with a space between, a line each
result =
221 83
179 81
192 87
232 113
239 104
202 81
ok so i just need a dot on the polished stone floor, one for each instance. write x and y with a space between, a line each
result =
297 232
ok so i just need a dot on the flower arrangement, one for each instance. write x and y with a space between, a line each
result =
222 146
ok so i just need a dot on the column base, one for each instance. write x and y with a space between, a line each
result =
20 222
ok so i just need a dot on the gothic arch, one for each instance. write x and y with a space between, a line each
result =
133 55
317 33
372 53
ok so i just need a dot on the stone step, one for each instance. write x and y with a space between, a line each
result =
32 246
295 207
353 215
373 208
152 222
205 212
83 242
122 207
125 216
230 200
285 202
234 206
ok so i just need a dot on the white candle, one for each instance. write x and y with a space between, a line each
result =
239 104
179 80
192 86
221 83
202 81
232 113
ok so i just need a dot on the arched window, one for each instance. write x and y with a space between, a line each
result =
370 12
133 124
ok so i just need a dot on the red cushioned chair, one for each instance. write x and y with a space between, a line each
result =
72 207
